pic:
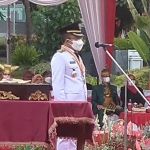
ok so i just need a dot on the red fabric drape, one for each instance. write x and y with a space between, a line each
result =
139 118
110 8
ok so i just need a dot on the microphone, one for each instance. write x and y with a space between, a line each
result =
97 45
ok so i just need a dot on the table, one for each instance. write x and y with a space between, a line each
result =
23 91
139 118
75 118
38 122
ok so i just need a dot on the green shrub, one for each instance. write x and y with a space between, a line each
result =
40 68
2 43
123 44
141 76
91 80
16 40
24 55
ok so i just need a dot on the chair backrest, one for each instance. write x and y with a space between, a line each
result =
27 75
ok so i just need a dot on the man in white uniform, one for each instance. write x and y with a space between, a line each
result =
68 73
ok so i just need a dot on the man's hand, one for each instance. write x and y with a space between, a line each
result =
100 107
140 105
118 107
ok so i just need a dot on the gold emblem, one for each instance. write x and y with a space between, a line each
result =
74 73
8 96
38 96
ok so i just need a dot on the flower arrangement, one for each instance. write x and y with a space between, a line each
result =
112 137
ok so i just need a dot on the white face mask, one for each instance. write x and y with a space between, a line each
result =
106 79
77 45
7 77
131 83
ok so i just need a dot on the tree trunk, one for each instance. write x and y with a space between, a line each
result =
28 20
149 6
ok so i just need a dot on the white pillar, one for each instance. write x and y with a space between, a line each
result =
8 35
14 20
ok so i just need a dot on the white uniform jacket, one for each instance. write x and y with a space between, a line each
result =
66 87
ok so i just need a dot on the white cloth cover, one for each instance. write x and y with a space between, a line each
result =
39 2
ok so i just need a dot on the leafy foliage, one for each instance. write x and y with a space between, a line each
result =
137 3
121 2
146 131
123 44
28 147
47 21
139 45
141 76
141 40
23 147
2 43
16 40
18 74
25 55
91 80
40 68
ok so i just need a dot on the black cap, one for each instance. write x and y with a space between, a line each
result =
74 29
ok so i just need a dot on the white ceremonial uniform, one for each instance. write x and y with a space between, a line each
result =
66 87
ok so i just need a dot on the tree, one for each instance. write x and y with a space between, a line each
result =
137 3
47 21
28 20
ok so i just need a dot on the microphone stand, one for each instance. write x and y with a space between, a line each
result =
125 117
125 108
